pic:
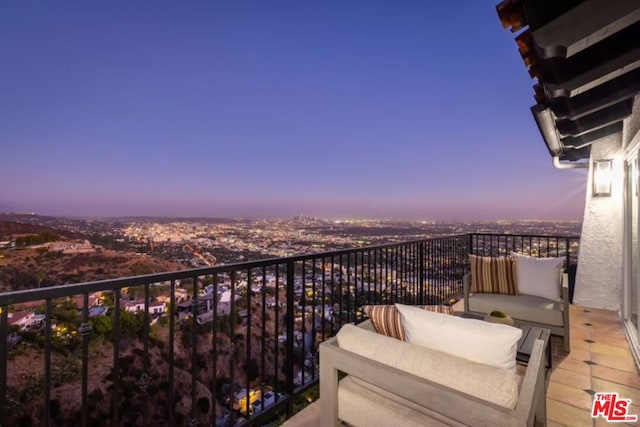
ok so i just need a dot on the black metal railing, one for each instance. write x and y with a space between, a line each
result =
226 344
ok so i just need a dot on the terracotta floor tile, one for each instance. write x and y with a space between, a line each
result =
579 344
599 310
579 335
573 366
580 327
624 391
602 422
579 355
601 319
613 341
605 314
635 410
607 334
570 395
606 326
610 349
616 375
568 415
570 378
581 322
618 362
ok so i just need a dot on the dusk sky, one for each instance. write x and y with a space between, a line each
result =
335 108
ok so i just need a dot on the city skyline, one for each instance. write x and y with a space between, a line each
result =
364 110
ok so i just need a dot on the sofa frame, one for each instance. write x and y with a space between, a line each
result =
437 401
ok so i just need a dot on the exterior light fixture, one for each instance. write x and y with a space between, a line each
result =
602 175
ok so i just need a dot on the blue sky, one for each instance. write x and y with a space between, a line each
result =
409 109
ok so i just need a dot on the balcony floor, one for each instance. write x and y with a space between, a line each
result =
600 360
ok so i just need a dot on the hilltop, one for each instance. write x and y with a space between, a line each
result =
11 230
43 256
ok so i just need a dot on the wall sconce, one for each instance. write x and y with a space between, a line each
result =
602 175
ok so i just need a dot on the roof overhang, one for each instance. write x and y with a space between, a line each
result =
585 56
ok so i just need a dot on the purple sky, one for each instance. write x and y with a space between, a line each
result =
411 109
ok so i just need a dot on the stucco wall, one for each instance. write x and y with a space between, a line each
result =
631 136
600 270
632 124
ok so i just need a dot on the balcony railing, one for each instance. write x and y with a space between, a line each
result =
225 345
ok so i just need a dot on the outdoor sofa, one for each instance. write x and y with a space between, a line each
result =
393 382
533 291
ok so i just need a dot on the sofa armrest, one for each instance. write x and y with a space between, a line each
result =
565 311
437 400
466 288
531 406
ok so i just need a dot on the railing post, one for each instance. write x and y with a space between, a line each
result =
4 327
115 399
470 252
194 351
567 249
47 362
290 322
421 272
173 312
85 331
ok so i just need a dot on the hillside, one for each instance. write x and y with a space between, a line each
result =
10 230
35 262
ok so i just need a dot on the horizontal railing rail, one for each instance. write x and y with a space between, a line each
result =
487 244
14 297
226 344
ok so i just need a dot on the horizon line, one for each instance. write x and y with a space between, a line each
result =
239 218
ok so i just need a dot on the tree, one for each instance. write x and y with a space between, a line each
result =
102 325
251 369
131 324
67 313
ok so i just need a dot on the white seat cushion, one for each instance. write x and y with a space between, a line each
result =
360 405
482 381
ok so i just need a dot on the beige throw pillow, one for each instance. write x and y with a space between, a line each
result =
386 318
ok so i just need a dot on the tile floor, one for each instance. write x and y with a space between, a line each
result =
600 360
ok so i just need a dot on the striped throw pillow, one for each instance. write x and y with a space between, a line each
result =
386 318
493 275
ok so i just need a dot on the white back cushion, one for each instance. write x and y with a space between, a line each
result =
476 340
539 276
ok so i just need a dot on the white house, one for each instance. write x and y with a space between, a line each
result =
155 307
26 319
